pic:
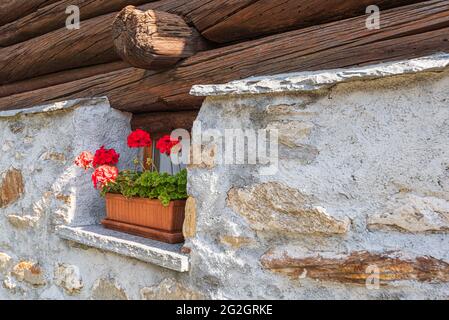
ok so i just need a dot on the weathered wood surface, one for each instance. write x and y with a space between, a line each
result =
164 122
220 20
249 19
59 50
52 15
11 10
406 32
64 49
60 77
153 39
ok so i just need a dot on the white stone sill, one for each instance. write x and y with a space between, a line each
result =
162 254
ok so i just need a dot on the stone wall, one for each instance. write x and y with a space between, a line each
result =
40 189
357 208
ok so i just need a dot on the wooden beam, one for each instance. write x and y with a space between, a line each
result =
164 122
251 19
406 32
60 77
52 16
59 50
64 49
11 10
153 39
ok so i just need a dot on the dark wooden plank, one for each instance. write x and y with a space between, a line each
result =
165 122
60 77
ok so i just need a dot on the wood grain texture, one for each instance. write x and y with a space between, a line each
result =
11 10
406 32
154 39
263 17
165 122
52 16
60 77
59 50
64 49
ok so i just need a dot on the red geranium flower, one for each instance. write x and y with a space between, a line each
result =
139 138
105 156
166 143
84 160
103 175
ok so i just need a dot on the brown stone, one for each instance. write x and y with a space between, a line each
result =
353 268
68 277
23 222
291 133
186 250
169 289
108 289
273 206
11 187
414 214
29 272
189 226
55 156
5 262
67 199
236 242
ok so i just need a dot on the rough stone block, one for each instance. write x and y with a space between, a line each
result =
108 289
29 272
273 206
189 226
68 277
413 214
11 187
169 289
356 267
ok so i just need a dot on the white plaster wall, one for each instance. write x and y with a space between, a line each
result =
42 145
373 146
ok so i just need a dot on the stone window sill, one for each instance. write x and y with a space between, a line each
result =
155 252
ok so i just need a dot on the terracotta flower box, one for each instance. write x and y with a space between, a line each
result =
145 217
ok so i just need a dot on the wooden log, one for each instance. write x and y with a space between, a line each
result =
257 18
59 50
406 32
65 49
60 77
11 10
153 39
164 122
218 20
52 16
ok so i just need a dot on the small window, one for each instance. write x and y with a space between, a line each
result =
161 161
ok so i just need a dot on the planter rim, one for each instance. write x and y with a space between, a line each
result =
172 202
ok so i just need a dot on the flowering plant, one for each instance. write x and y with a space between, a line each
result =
146 183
